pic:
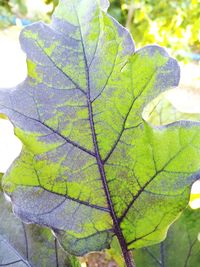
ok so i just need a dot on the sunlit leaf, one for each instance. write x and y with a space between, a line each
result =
91 167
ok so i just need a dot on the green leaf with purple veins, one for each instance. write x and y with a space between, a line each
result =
91 167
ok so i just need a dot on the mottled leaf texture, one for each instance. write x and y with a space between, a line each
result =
181 247
90 166
28 245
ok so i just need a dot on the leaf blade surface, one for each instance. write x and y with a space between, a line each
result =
91 167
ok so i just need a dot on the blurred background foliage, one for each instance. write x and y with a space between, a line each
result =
9 8
174 24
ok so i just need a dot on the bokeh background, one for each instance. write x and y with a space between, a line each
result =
174 24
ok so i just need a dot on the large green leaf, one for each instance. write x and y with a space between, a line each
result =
91 167
28 245
181 247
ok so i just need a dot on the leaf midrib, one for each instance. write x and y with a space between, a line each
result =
116 227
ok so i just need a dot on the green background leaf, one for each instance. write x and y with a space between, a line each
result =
28 245
181 247
161 111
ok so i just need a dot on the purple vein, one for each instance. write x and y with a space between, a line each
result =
108 78
55 132
142 189
64 73
10 263
66 197
122 130
116 227
145 235
125 119
97 44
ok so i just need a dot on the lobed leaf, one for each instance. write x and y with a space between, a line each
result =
91 167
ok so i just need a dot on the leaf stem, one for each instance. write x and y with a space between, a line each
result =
26 240
10 263
56 251
162 257
189 252
128 258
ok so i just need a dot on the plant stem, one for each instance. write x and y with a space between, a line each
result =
162 257
128 258
56 251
